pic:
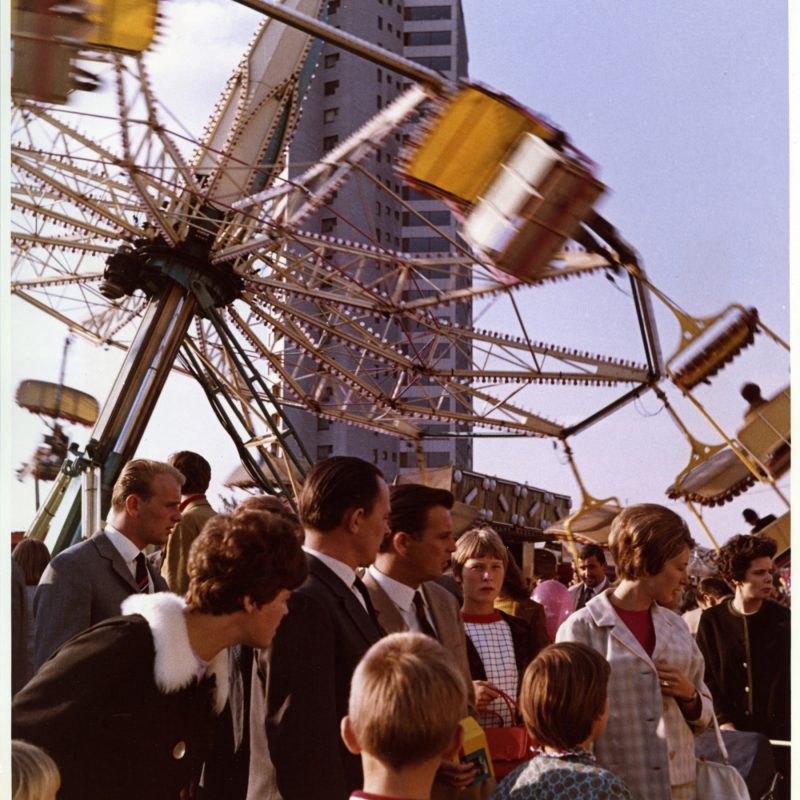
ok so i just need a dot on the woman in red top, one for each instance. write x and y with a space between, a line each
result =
657 699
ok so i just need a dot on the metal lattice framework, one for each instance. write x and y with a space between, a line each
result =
342 326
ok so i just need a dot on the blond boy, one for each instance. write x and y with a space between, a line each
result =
406 700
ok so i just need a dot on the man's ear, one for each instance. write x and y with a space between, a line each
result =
353 518
133 504
451 753
349 736
400 541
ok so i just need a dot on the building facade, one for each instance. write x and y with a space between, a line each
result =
347 91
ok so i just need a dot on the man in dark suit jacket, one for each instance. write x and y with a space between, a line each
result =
402 586
344 507
87 582
591 568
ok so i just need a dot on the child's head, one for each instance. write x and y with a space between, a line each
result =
563 695
406 701
479 565
34 775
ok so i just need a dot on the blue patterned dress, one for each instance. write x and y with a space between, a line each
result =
571 775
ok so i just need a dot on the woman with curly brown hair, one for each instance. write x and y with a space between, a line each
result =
745 640
127 708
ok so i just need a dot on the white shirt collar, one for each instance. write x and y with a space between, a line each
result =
343 571
400 594
125 547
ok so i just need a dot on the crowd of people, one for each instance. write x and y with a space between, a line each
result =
347 651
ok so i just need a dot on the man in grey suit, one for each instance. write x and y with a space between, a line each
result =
401 583
592 571
87 582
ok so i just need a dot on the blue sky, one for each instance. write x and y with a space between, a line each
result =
683 105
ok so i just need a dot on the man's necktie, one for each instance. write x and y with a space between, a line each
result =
422 618
362 590
586 595
141 578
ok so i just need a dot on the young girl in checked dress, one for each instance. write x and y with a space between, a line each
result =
499 646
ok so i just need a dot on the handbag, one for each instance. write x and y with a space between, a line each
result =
720 781
509 745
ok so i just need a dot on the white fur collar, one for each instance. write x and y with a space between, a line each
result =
175 663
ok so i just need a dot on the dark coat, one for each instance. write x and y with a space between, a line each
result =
114 729
80 587
748 675
314 654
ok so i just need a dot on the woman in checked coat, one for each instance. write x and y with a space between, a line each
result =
657 699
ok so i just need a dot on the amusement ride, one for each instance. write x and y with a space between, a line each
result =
203 254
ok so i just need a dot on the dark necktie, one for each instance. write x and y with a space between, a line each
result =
373 614
586 595
142 581
422 618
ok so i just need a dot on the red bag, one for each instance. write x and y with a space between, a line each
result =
509 745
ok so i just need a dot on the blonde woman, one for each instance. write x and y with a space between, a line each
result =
657 699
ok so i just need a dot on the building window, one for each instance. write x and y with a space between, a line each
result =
323 424
333 6
330 88
329 142
427 38
441 63
414 194
380 75
331 60
436 217
374 456
330 114
421 13
378 102
324 451
328 224
378 207
426 244
380 23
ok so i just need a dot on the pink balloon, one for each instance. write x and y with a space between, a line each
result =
557 602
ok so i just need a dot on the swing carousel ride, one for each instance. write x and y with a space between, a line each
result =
204 254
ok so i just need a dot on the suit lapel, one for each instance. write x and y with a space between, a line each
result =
360 618
663 628
388 615
604 615
441 621
118 565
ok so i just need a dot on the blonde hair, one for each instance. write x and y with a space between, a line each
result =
34 775
644 537
478 543
137 478
406 700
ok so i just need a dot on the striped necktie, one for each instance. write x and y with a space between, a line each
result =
141 578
